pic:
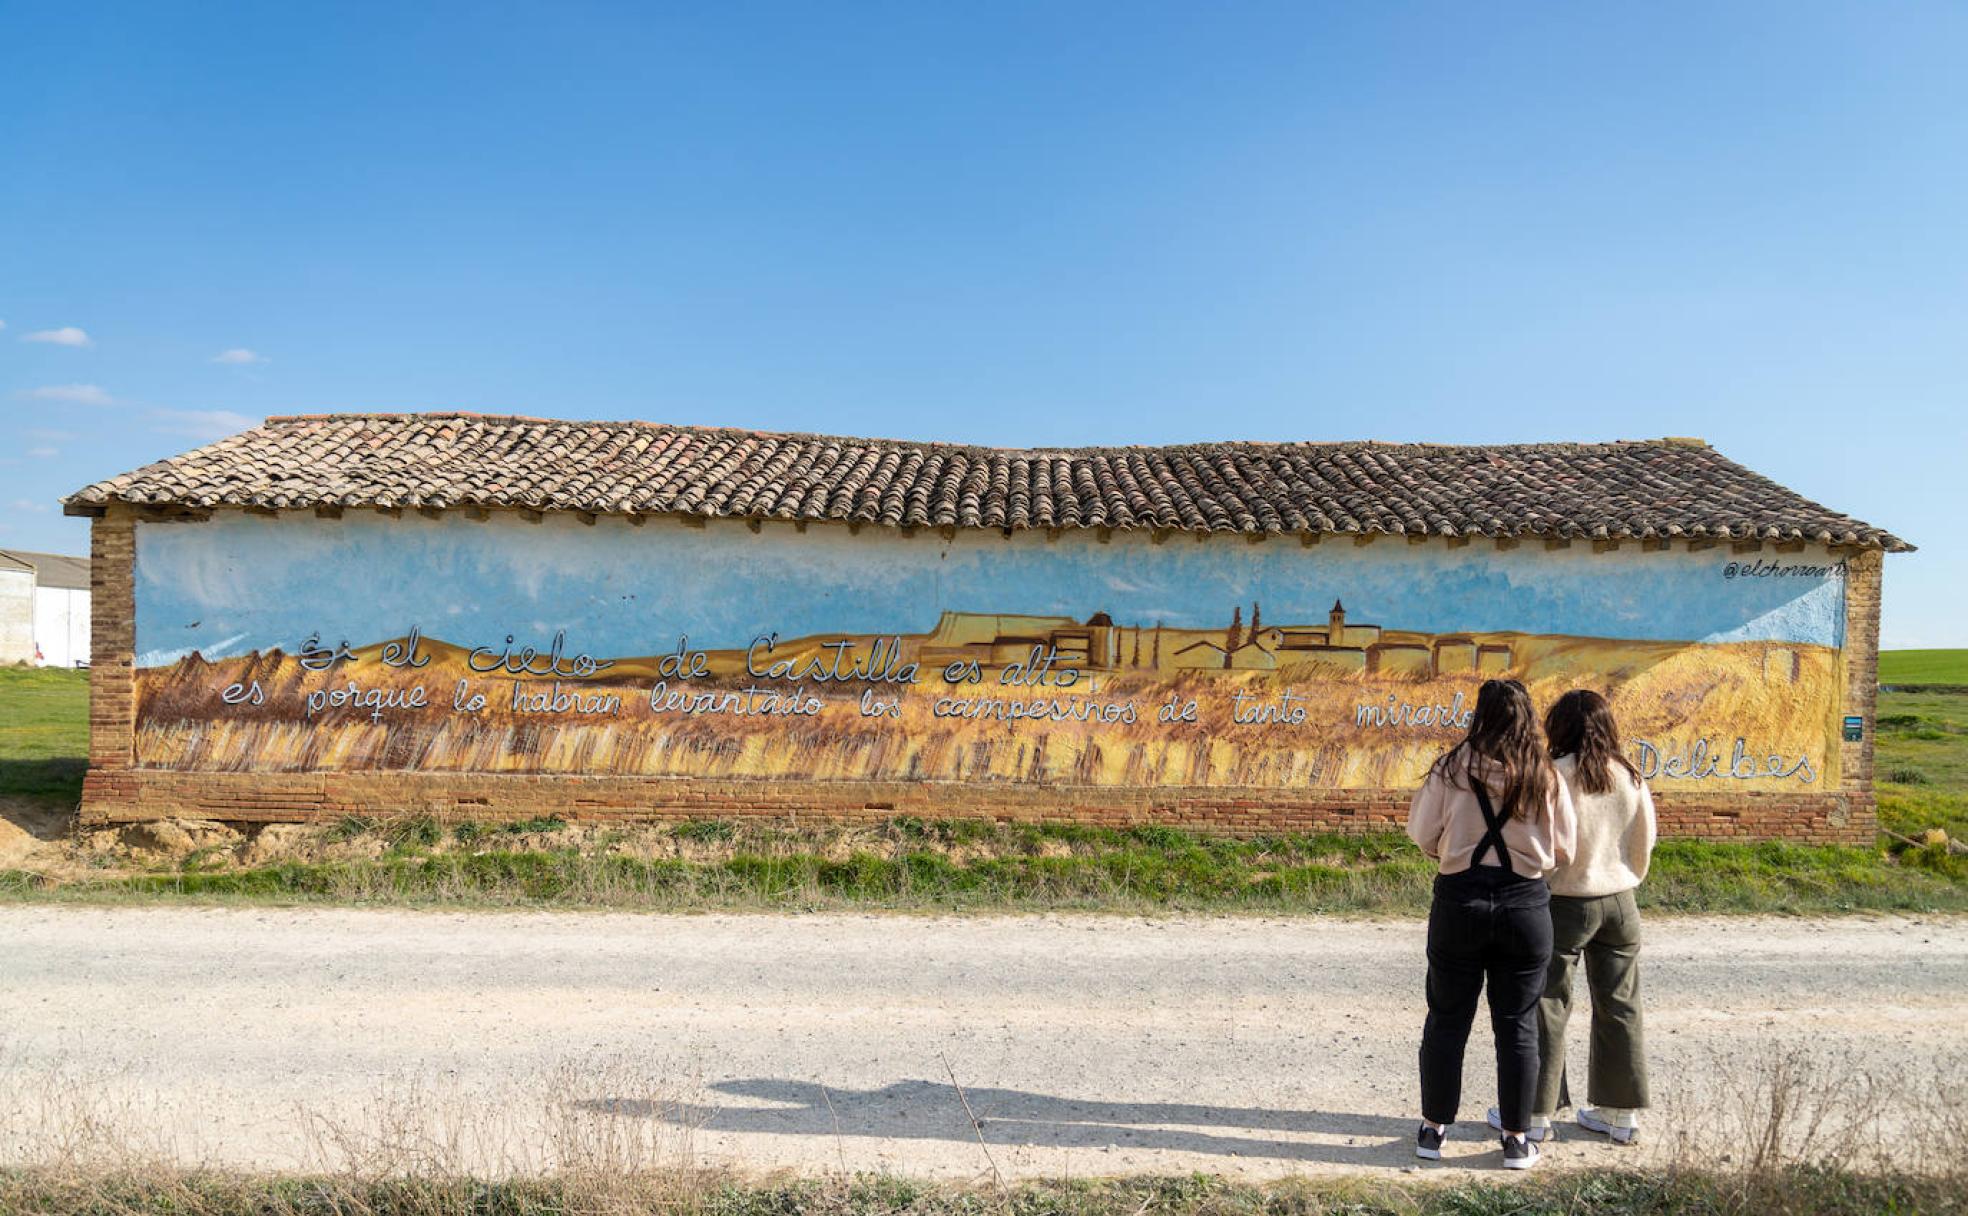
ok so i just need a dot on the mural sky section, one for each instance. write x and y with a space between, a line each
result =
233 585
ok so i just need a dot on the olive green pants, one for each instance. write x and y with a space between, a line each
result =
1604 931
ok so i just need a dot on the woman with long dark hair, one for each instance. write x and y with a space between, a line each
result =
1594 917
1496 818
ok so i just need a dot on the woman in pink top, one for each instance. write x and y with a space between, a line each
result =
1496 818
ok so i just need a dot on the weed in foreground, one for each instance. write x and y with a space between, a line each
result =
1777 1132
1638 1193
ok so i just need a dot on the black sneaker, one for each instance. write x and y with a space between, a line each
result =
1520 1153
1428 1142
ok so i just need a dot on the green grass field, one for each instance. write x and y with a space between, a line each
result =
1922 762
44 732
1924 667
979 865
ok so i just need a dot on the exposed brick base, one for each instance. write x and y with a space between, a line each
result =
128 795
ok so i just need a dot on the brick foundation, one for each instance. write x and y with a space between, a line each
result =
137 794
116 792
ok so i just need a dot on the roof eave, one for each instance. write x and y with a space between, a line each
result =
94 508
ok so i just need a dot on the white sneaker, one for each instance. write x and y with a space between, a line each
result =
1592 1121
1520 1154
1538 1134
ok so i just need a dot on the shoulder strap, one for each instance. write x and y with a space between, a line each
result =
1492 828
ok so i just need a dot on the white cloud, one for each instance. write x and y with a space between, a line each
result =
28 504
239 356
201 424
74 394
221 649
67 335
52 436
43 453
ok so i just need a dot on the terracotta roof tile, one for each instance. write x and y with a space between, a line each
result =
1648 489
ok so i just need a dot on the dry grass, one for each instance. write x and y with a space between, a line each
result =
423 1145
1781 1132
1753 1122
1786 1105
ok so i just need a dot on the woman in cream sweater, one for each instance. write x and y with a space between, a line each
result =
1594 917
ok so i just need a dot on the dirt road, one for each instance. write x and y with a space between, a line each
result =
1082 1045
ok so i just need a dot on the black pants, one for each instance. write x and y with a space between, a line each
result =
1485 925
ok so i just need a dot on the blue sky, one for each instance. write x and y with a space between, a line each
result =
248 583
1016 225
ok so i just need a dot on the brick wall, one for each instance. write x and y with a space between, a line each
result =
114 791
1863 581
112 643
263 797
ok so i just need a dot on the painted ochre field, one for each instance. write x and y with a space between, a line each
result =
1307 720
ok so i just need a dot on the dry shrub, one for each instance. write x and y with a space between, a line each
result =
1938 1136
1791 1128
1781 1131
1791 1105
72 1114
585 1137
601 1120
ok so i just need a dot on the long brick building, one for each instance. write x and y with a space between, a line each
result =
506 617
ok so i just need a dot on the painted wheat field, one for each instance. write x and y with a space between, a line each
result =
1299 725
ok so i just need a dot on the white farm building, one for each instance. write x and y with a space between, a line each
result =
44 609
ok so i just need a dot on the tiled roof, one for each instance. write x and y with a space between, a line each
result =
1653 488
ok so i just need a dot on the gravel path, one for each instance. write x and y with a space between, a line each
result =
281 1037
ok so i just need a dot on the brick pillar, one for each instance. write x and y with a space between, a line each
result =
1861 652
112 661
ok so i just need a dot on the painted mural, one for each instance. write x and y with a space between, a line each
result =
303 644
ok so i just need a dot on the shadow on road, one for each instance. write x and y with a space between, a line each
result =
933 1110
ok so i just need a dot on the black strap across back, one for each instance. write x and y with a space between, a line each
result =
1492 828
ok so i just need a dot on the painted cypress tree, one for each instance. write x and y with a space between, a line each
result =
1234 637
1257 619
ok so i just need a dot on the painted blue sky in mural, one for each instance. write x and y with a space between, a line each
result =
237 584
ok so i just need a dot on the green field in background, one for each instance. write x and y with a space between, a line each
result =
44 732
1923 667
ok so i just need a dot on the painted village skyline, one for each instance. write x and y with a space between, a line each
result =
1336 647
995 639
